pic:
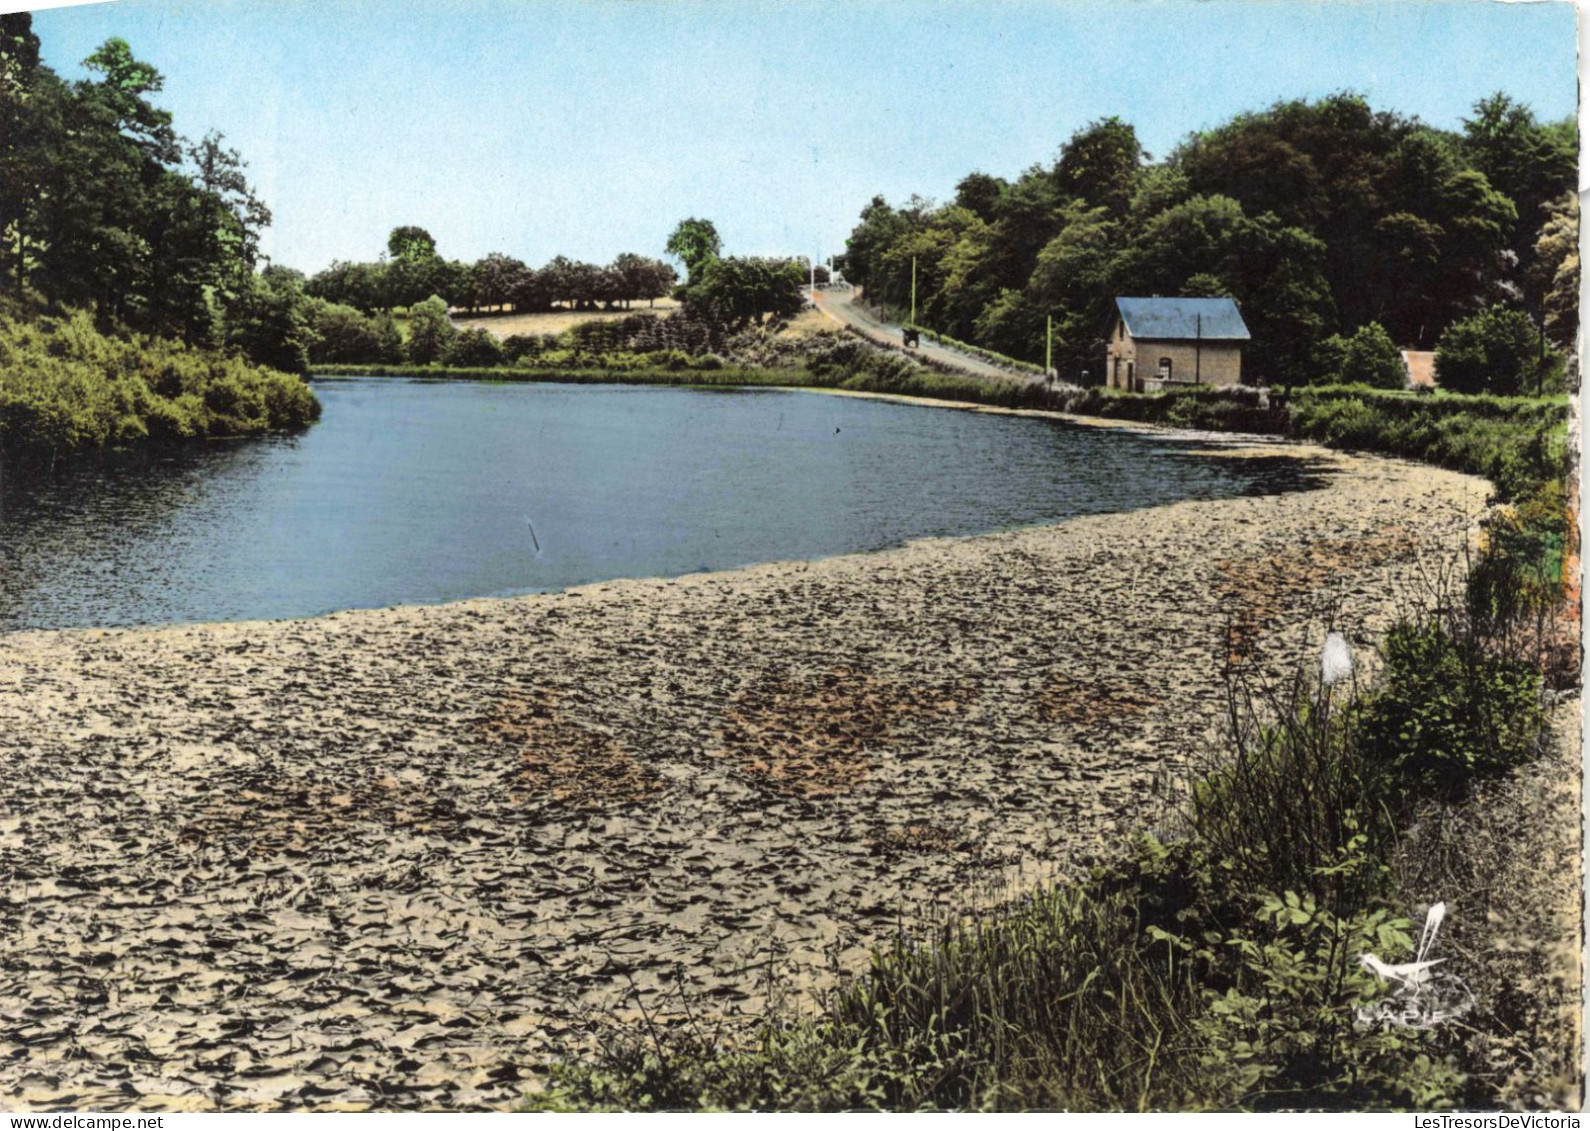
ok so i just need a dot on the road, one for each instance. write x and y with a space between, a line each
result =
842 307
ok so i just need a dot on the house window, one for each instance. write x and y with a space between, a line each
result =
1164 369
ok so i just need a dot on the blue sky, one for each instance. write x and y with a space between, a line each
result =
544 127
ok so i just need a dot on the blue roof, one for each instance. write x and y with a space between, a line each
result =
1168 318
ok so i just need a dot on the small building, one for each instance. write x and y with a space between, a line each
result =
1420 365
1161 342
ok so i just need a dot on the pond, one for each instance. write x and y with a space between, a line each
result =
412 491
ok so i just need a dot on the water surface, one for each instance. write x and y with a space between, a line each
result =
417 491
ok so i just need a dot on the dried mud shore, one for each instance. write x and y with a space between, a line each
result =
396 858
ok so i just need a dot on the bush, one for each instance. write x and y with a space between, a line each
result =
1369 357
473 348
1451 711
343 334
66 388
1496 351
431 332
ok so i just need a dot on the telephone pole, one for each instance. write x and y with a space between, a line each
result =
913 290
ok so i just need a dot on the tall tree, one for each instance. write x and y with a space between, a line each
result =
1557 271
410 242
1531 164
695 243
735 293
1100 165
22 147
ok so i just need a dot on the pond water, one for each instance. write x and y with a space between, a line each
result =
414 491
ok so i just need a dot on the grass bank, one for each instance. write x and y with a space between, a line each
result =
66 388
1515 442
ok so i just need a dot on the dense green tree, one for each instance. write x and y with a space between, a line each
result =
359 285
22 149
735 292
1494 351
345 335
1529 163
880 226
473 348
1318 217
1556 268
268 322
1072 284
695 243
410 242
979 194
642 278
122 88
1274 271
431 332
1206 286
1028 217
1367 357
1100 165
968 286
497 279
925 251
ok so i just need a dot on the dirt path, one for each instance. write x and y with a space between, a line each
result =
397 858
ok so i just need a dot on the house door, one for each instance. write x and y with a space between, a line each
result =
1131 377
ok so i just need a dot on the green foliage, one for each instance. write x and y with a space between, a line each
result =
270 324
695 243
103 206
473 348
431 332
737 292
1529 163
67 388
1318 217
344 334
411 242
1368 357
1516 442
1451 710
1495 351
1100 165
1555 271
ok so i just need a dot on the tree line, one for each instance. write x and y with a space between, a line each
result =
1328 221
105 207
412 271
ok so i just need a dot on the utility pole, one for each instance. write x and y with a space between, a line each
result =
1198 354
913 290
1048 348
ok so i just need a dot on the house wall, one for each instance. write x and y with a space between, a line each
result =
1216 363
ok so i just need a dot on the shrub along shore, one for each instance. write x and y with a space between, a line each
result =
66 389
